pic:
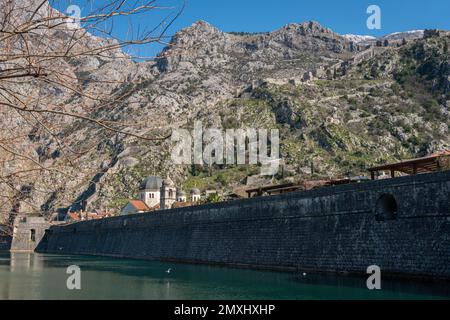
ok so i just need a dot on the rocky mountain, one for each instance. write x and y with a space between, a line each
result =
407 35
396 37
359 38
339 110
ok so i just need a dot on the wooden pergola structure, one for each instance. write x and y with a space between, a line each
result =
273 189
305 185
435 162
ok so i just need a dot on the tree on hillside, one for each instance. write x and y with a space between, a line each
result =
45 88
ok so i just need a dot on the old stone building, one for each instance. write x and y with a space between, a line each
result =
28 232
150 191
135 207
168 194
158 194
195 195
181 196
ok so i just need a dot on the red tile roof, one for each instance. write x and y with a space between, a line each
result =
75 216
184 204
83 215
139 205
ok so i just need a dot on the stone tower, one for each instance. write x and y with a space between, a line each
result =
195 195
149 191
168 194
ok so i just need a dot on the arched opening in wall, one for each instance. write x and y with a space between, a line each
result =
32 235
386 208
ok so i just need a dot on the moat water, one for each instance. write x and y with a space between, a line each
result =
40 276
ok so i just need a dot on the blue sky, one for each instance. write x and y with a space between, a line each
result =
342 16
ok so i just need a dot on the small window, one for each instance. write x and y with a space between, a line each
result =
23 220
386 208
33 235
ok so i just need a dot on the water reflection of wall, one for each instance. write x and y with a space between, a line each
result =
25 261
20 280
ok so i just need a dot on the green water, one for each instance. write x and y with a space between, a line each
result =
38 276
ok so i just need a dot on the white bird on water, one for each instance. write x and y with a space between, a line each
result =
168 270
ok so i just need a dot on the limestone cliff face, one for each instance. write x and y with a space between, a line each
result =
391 106
289 51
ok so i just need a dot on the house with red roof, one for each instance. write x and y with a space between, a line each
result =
84 215
135 207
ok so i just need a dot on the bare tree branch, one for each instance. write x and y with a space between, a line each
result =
42 52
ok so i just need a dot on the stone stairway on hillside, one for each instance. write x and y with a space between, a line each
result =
321 73
328 72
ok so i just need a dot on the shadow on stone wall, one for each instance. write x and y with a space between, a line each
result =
5 243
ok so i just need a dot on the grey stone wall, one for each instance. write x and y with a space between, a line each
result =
5 243
335 229
23 228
